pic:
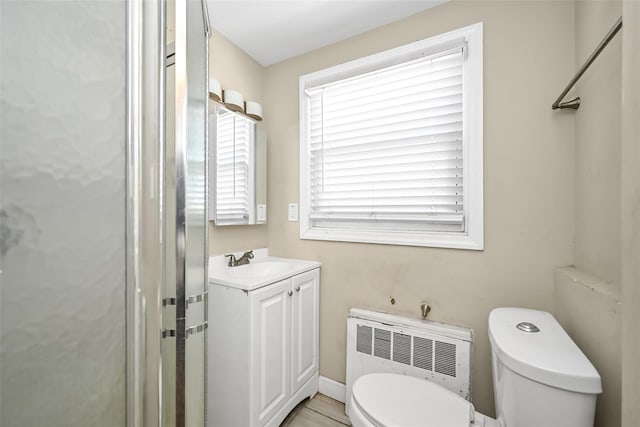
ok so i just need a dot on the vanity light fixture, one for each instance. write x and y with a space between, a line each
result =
234 100
253 109
215 89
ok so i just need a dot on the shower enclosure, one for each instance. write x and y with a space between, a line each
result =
102 213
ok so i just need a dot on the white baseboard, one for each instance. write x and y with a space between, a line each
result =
333 389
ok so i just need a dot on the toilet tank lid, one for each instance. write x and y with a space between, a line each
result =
533 344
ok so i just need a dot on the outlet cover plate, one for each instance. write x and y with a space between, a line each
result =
293 212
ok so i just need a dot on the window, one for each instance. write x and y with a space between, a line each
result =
233 199
391 146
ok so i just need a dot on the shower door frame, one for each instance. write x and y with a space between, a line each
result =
189 222
182 137
145 171
145 74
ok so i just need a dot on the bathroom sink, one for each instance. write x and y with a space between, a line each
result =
262 271
259 269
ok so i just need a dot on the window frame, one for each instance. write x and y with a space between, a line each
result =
473 236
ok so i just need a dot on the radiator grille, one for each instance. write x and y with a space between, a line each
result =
402 348
363 339
434 356
382 343
423 353
445 358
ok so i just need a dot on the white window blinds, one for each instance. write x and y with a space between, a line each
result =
386 148
234 139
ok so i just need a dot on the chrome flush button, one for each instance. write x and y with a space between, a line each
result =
527 327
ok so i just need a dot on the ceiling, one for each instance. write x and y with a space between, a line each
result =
272 31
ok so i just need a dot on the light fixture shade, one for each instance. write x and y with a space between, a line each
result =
253 110
234 100
215 89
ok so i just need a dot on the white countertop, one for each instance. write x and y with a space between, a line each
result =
263 270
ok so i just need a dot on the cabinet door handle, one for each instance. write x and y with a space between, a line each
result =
290 293
297 288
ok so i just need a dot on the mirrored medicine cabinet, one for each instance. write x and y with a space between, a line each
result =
237 168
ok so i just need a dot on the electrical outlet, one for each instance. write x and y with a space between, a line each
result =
293 211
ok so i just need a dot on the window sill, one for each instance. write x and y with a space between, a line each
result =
434 240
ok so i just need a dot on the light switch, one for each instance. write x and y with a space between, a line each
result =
262 213
293 211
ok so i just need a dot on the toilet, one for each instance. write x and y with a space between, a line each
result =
540 379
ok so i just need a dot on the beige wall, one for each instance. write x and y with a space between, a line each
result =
529 219
236 70
590 310
631 214
587 298
598 127
528 182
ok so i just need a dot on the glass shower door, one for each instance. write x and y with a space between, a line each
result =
62 219
87 184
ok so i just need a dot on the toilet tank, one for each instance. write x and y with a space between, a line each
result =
540 376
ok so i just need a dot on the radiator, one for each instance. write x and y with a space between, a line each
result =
379 342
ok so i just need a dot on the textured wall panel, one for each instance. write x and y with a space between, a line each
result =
63 222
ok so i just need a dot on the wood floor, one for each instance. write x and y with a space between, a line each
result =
321 411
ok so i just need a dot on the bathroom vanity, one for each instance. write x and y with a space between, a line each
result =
262 339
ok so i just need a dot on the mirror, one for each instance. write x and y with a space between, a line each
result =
238 165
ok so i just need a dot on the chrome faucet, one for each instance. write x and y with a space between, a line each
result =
244 259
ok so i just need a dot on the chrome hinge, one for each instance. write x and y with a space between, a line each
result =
197 329
191 300
189 331
197 298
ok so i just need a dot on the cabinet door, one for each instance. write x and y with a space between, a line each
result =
304 328
271 350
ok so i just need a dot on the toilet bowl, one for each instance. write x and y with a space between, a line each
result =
402 401
540 378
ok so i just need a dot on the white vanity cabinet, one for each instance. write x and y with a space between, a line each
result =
263 350
304 328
